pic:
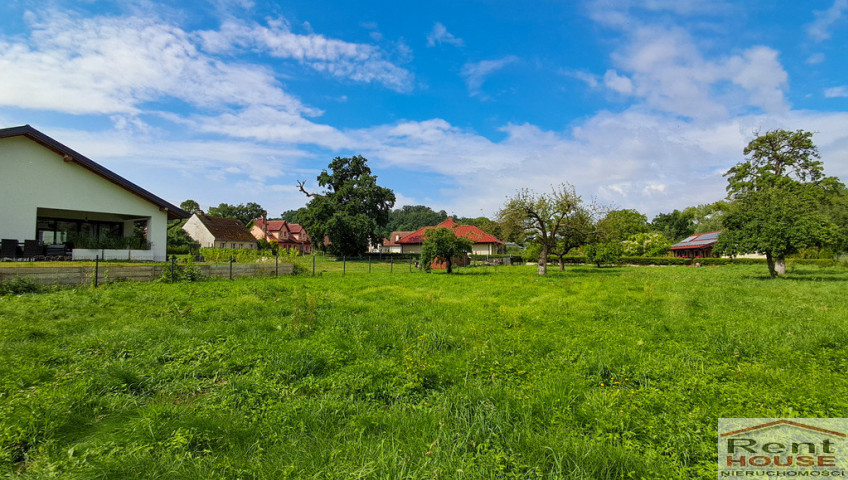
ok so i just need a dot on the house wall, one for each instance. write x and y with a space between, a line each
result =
410 248
259 233
484 249
33 176
198 232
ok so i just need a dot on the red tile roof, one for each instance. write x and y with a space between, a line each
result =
278 225
389 242
468 231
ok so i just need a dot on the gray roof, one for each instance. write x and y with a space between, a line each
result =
698 240
173 211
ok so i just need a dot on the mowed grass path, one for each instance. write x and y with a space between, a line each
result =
490 373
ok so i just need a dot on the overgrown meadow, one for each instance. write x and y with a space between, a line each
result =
489 373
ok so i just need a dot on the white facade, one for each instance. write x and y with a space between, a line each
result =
39 182
199 233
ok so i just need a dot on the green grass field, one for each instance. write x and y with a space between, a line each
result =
490 373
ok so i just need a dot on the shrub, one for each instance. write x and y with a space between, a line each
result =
175 272
608 252
19 285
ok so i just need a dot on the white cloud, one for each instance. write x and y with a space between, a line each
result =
267 124
667 70
440 35
354 61
815 59
619 13
114 65
475 73
836 92
819 29
620 84
591 80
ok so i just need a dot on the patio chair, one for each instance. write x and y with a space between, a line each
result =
8 248
33 249
55 251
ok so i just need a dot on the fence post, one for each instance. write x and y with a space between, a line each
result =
173 267
369 263
276 265
410 265
313 264
344 264
392 263
231 267
96 268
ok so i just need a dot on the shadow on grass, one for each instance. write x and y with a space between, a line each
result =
803 276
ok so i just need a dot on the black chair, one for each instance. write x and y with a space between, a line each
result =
33 249
9 248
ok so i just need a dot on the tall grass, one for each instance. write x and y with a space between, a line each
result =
490 373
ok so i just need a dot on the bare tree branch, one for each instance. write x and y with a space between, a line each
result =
300 186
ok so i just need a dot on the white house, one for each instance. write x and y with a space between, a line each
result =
218 232
51 193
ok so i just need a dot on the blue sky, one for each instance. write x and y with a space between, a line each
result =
638 103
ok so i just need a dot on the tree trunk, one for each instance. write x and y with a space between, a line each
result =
771 265
448 265
543 261
561 264
780 265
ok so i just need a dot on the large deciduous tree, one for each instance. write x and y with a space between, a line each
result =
541 215
351 211
245 213
780 198
623 224
675 226
442 245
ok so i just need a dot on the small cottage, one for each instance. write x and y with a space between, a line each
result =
218 232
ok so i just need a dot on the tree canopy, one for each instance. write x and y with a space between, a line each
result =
542 216
190 206
245 213
413 217
623 224
352 211
675 226
442 245
780 199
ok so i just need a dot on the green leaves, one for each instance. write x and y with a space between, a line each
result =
351 212
775 158
782 200
442 244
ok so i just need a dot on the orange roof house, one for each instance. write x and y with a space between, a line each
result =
390 244
284 234
482 242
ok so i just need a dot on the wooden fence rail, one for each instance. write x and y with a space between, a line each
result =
72 275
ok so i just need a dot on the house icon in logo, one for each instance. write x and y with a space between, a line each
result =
781 445
783 422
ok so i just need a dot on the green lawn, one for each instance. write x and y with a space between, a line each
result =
490 373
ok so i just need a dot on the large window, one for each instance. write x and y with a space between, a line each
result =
53 231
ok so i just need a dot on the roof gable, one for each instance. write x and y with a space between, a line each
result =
71 155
